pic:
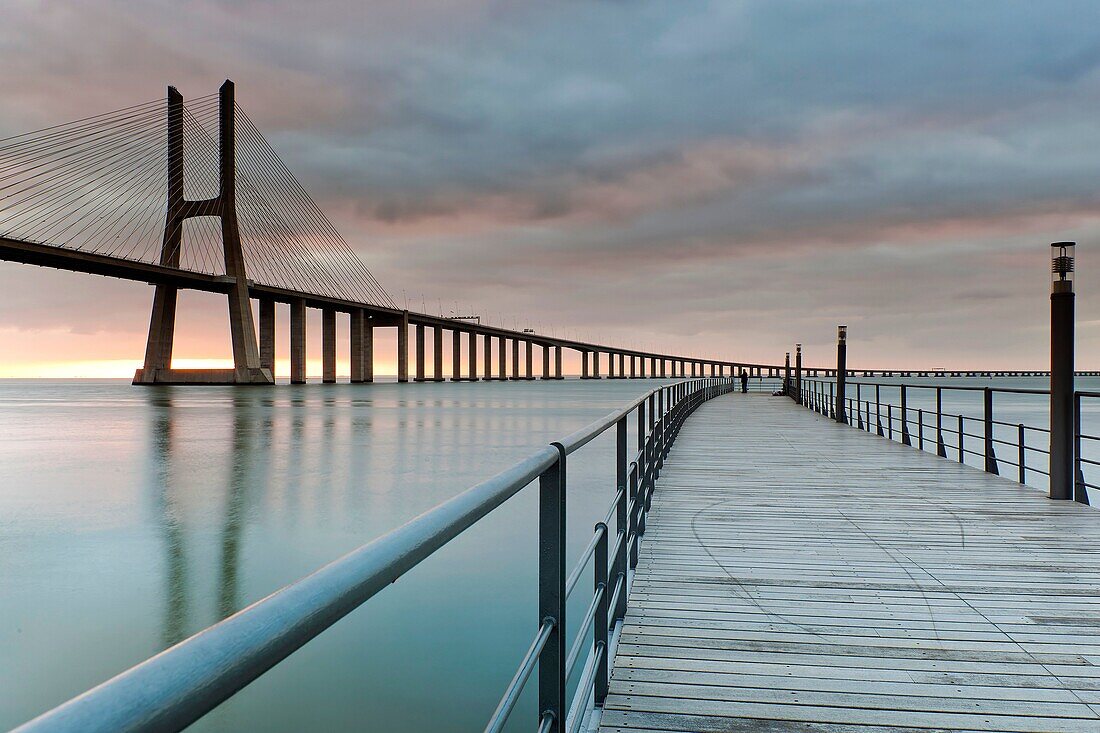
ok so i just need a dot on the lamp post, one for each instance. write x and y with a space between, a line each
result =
787 375
798 373
841 371
1061 371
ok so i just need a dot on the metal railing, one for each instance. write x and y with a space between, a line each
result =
175 688
991 443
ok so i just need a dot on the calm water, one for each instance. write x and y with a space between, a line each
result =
131 518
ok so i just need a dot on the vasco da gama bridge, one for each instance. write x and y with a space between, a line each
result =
836 553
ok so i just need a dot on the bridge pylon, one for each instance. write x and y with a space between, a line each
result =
162 323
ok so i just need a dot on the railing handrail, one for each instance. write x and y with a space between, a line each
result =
176 687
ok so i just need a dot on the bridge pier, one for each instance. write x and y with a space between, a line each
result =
403 348
471 338
328 346
529 373
584 364
557 363
267 335
515 359
298 341
419 353
487 344
456 355
437 354
502 359
545 361
356 343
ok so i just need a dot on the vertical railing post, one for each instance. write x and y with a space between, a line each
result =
962 440
601 587
622 522
890 420
552 573
990 453
941 447
1080 491
1022 454
859 406
841 372
920 428
905 438
633 531
878 410
798 372
1061 373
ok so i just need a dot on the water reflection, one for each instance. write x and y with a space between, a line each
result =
248 445
170 521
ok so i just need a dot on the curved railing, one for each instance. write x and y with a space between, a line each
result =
985 439
175 688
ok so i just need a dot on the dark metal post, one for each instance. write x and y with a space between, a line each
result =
1022 457
601 587
941 448
905 438
878 410
920 428
618 573
962 438
1080 491
798 372
990 454
552 592
787 375
841 372
1061 372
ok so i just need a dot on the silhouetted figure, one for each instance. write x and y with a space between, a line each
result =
744 381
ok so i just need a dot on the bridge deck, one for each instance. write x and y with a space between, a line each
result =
800 575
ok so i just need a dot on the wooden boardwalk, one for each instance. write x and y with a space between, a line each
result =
800 575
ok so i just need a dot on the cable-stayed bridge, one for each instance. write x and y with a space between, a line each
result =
190 195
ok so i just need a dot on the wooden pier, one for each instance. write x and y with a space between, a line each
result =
800 575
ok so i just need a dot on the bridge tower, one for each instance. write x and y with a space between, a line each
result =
162 323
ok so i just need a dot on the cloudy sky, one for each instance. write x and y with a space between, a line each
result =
722 178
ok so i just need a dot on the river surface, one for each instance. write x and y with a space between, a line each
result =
131 518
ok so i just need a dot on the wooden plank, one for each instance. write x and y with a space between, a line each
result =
800 575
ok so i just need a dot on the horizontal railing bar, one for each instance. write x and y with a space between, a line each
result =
519 680
584 687
582 561
582 632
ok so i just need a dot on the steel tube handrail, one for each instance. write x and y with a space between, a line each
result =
582 632
515 687
582 561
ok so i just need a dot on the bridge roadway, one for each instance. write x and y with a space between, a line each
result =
801 575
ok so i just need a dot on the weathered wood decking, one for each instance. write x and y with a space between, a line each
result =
800 575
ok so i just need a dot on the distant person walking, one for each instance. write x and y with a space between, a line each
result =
744 381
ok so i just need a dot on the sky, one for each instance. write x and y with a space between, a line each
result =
721 179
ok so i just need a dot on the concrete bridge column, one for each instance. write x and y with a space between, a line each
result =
545 361
487 344
557 362
328 345
267 335
693 374
633 367
502 359
584 364
368 349
437 354
611 365
663 362
622 366
529 373
456 355
419 352
298 341
403 348
473 356
356 342
515 359
595 365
